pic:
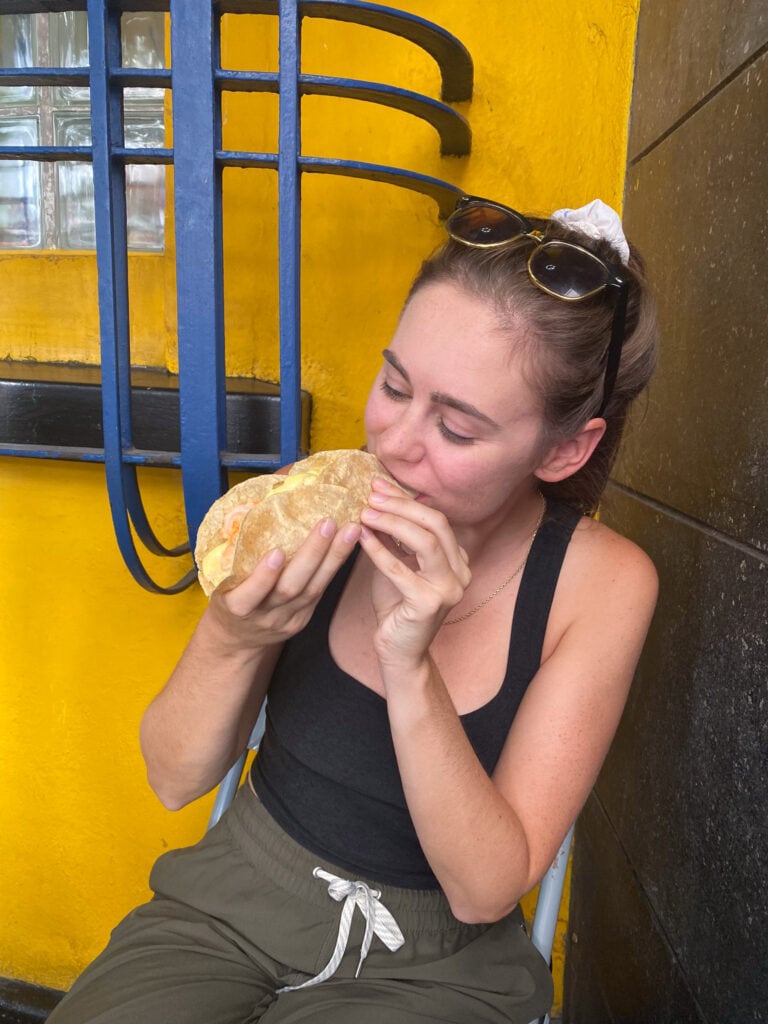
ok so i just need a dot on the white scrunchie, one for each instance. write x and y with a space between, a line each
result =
596 220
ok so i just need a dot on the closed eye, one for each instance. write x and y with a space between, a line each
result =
448 434
452 436
393 393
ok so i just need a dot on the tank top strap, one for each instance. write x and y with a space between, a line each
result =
537 587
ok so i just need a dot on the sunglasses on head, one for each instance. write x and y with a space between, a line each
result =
562 269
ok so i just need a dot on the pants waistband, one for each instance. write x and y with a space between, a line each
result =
272 852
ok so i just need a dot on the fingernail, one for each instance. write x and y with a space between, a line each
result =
275 558
370 513
378 499
327 528
350 533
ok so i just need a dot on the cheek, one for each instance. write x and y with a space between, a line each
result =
474 484
462 481
369 414
375 415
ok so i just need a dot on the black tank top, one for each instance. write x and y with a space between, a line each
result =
326 769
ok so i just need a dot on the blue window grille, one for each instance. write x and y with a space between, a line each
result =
198 81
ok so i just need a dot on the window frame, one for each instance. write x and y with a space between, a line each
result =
49 105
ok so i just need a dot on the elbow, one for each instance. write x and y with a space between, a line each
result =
170 802
170 796
481 911
170 786
485 898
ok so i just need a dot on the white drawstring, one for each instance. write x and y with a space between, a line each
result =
378 921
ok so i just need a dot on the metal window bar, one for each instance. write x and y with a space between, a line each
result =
111 246
199 161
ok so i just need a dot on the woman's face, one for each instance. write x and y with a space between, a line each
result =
450 414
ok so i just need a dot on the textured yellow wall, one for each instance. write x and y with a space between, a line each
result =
83 647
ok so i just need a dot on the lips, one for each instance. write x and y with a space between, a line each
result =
410 491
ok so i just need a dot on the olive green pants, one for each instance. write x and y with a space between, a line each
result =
241 915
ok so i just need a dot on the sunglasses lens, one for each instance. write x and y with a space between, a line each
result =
567 271
484 225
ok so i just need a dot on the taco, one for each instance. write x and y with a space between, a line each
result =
279 511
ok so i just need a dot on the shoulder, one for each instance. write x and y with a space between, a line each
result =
605 571
601 557
608 585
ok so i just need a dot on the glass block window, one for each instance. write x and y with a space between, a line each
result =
50 205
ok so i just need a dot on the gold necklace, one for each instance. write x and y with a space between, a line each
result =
508 580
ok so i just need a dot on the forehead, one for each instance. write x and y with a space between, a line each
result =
452 341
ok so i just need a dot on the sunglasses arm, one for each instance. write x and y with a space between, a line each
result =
615 345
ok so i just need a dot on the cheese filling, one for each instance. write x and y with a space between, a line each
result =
217 563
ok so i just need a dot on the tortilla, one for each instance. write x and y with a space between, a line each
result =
280 511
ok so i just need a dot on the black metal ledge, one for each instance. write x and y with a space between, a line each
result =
52 410
23 1003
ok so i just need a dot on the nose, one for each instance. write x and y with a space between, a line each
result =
403 439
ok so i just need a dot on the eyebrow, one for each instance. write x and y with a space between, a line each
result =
440 397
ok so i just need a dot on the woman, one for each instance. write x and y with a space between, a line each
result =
441 701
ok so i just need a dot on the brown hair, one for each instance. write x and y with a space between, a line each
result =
565 343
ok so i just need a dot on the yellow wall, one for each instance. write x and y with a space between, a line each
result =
83 647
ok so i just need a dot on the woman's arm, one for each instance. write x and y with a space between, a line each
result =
490 840
199 724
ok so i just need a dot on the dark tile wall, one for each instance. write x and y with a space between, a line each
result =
686 50
696 205
669 912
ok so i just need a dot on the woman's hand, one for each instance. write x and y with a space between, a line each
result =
277 599
422 573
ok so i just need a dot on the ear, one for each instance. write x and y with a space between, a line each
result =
568 456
